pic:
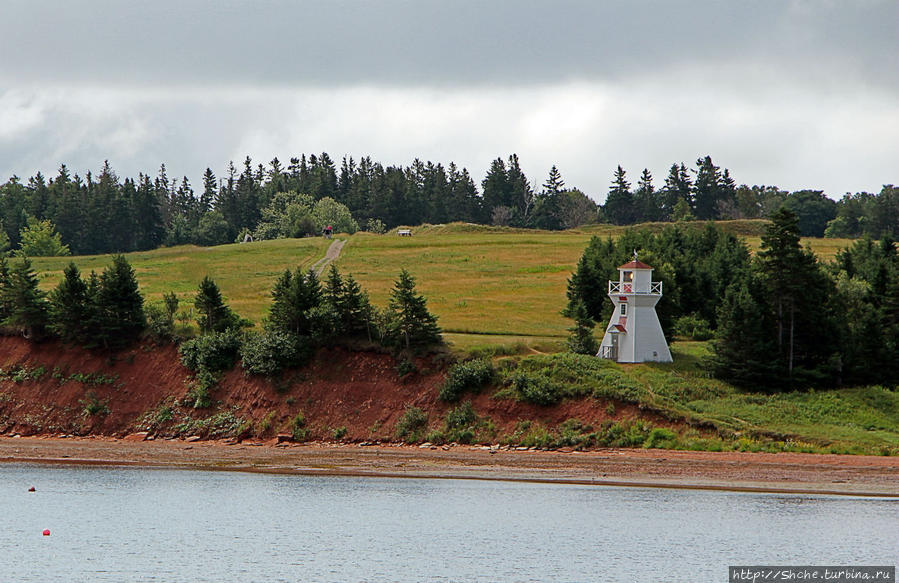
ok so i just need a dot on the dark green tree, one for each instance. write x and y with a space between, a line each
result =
24 302
813 210
213 314
69 307
798 296
294 296
619 205
581 339
678 187
119 305
411 324
647 202
744 350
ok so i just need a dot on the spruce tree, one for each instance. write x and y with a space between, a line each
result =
293 296
581 339
213 314
120 305
619 205
744 350
69 307
24 301
410 322
355 308
799 294
4 283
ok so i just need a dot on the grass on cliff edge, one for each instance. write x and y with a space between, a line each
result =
847 420
486 284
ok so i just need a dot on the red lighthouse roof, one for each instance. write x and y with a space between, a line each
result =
634 265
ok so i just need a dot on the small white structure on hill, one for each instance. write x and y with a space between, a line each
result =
634 333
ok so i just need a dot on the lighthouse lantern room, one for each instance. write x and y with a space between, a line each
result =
634 333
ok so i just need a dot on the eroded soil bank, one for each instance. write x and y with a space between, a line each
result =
68 405
54 389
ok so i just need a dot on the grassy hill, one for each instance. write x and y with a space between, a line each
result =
500 291
488 285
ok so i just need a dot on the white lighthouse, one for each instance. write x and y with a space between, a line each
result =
634 333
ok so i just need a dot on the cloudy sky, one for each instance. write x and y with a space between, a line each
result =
801 94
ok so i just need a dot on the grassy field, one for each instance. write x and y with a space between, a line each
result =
245 273
489 286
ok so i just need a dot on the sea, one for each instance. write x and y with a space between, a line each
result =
135 524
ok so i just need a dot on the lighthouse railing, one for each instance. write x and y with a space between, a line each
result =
627 287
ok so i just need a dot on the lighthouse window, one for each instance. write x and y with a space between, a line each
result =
624 309
628 276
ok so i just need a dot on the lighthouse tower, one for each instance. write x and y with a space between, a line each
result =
634 333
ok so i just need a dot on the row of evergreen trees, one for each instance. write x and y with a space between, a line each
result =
781 319
103 214
107 311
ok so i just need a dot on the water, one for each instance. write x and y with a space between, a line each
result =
114 524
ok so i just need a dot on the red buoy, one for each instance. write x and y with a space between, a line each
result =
46 532
31 489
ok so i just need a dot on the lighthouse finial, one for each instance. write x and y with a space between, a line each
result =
635 254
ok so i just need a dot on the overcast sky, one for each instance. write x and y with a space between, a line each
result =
801 94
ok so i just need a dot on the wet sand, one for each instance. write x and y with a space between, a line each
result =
762 472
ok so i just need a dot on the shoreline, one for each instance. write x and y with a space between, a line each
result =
779 473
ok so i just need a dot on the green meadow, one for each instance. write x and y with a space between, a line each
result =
487 285
498 292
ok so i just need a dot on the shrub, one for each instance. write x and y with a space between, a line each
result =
461 423
625 434
467 376
339 432
93 405
412 425
535 389
200 389
376 226
270 352
661 437
693 327
298 427
213 352
405 367
160 326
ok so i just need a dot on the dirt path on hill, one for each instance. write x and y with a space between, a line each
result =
753 472
331 254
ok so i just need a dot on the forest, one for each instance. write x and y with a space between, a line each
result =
103 213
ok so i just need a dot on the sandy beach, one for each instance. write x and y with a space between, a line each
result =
762 472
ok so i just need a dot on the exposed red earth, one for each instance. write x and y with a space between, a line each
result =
364 393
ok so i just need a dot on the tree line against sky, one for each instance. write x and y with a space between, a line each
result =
102 213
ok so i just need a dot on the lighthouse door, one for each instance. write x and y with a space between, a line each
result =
613 349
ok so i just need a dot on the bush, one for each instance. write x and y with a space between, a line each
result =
661 437
466 376
693 327
92 405
160 325
200 389
376 226
412 425
298 427
215 352
270 352
535 389
405 367
461 424
625 434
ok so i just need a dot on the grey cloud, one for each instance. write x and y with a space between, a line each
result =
396 42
